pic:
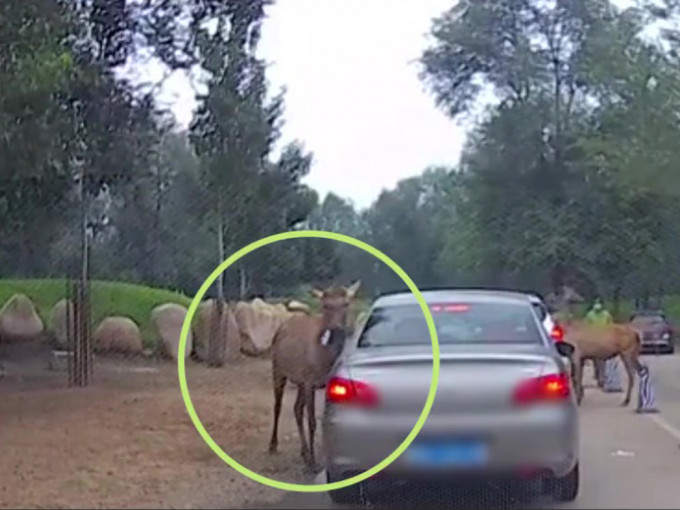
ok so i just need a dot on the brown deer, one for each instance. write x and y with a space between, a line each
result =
304 350
600 343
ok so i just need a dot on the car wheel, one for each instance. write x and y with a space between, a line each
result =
346 496
565 488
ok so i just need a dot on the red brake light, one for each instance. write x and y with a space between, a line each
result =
546 388
557 333
348 392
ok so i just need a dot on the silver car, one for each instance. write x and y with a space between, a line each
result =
504 408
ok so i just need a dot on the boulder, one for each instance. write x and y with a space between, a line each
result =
19 319
281 309
297 306
167 321
61 313
118 335
258 323
202 327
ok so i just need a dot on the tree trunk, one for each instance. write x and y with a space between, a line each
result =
243 283
216 340
616 305
84 254
24 262
156 236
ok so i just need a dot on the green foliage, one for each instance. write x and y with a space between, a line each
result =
565 179
569 177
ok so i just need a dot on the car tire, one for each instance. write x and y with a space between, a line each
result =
346 496
565 488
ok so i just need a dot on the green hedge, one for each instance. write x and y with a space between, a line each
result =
108 298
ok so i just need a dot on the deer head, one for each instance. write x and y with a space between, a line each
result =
335 303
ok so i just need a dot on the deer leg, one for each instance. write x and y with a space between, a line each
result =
578 379
299 410
279 386
630 372
598 365
310 395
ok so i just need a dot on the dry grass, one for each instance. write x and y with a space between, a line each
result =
127 440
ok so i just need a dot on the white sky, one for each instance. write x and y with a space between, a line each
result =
353 93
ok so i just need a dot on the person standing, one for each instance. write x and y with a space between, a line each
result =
599 315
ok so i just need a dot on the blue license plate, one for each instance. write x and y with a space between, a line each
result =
448 454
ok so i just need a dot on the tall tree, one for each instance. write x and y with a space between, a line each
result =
235 126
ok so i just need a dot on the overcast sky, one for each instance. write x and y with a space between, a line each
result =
354 97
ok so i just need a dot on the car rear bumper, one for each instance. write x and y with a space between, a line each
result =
652 346
518 442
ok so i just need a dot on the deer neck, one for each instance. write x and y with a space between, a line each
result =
332 341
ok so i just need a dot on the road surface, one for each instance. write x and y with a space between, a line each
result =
627 460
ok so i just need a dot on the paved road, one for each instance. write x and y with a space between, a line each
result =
627 460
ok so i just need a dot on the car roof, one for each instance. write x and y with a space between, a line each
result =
435 296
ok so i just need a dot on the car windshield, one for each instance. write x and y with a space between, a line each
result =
455 323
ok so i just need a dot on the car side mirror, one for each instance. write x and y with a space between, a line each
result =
565 349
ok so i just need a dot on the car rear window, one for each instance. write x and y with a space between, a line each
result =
540 310
455 323
648 319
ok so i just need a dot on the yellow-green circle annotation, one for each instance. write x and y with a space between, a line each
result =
294 486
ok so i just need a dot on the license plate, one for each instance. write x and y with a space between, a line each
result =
448 454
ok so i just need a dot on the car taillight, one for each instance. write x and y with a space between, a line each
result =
543 389
349 392
557 333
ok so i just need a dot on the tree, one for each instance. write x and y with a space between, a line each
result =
35 68
537 205
234 127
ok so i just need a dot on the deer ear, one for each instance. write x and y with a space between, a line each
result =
353 289
316 293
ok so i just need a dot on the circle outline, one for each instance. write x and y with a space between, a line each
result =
181 368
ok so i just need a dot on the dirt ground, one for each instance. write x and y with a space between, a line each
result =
127 441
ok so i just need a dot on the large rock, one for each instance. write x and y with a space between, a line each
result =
297 306
118 335
167 321
62 312
258 323
19 319
230 332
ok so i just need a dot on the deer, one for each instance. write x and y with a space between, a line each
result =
600 343
304 351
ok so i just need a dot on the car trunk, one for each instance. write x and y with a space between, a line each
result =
473 378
